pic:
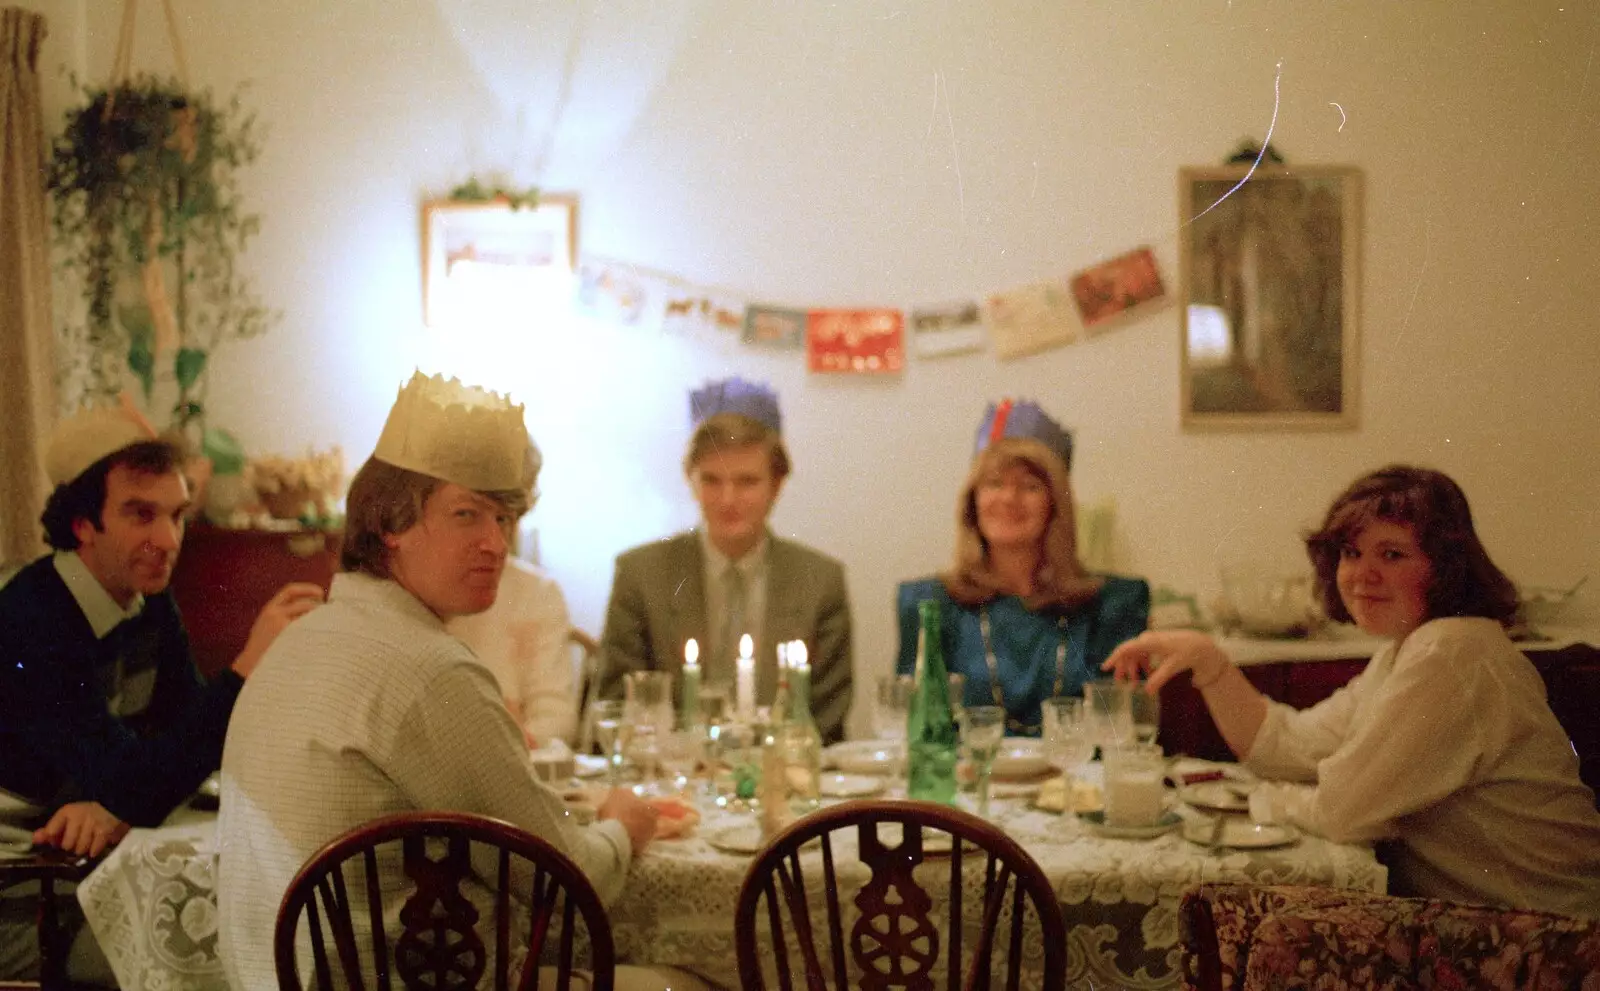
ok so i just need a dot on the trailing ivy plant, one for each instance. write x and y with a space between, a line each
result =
148 170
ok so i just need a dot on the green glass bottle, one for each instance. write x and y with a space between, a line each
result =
931 742
805 739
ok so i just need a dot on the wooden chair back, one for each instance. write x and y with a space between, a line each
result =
920 860
343 895
586 675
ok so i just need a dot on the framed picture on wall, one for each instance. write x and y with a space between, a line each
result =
1270 273
493 256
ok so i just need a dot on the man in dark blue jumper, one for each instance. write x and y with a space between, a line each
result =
105 723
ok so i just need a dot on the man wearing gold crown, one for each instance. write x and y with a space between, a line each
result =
731 576
104 720
369 706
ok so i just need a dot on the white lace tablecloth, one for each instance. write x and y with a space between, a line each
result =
151 903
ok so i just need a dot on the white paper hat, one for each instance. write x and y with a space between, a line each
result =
458 433
91 434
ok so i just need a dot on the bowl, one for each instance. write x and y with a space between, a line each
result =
1541 605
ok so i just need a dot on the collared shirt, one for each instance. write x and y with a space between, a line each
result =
1445 742
753 566
99 608
131 682
365 707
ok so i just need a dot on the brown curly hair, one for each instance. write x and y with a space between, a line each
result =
1465 582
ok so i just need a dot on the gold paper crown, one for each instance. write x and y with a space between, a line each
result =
91 434
458 433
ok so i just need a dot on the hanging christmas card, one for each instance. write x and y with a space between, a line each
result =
770 326
1030 319
946 328
863 341
1112 288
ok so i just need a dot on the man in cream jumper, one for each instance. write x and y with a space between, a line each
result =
375 708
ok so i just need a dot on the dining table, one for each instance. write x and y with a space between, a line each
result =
152 903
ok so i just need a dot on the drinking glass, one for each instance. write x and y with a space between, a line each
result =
1065 740
958 696
894 706
1146 714
1108 711
647 707
982 732
678 751
607 719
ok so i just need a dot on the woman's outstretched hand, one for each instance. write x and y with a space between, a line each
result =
1163 654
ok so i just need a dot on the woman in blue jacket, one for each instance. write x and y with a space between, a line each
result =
1021 618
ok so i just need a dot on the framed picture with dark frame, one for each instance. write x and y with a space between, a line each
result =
1270 289
473 251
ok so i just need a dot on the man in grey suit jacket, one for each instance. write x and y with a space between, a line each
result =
731 576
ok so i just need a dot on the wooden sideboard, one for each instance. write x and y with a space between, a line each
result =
224 577
1570 668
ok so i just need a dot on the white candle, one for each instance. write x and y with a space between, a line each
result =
689 695
797 657
745 687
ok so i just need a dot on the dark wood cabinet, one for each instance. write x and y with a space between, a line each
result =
224 577
1571 675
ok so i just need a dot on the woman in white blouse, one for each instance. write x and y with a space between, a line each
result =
1444 744
522 640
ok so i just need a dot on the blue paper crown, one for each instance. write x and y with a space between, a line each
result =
1024 418
735 395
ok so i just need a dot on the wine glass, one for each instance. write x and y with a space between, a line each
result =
894 706
647 708
607 718
1108 710
678 750
1065 740
982 732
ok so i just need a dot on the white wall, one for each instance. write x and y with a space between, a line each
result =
893 153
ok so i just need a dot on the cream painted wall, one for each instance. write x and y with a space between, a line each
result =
894 153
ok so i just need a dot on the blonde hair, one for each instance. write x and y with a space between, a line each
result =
1061 580
721 431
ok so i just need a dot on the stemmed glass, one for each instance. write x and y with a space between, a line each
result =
678 750
982 731
647 707
607 717
1065 734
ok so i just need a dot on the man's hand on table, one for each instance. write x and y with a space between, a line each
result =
637 816
290 603
84 828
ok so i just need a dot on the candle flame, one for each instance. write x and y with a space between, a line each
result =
797 655
747 648
691 653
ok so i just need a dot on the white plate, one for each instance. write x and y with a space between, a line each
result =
1239 833
1216 796
865 756
1096 821
836 784
734 837
588 765
1020 757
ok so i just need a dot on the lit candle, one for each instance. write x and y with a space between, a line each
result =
745 687
798 660
690 692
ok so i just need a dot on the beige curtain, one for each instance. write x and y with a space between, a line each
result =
27 345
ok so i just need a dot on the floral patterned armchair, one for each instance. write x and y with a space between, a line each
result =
1242 937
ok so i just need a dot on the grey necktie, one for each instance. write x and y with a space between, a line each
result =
733 624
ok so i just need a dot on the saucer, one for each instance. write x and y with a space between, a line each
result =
1216 796
865 756
1096 821
836 784
735 837
1239 833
